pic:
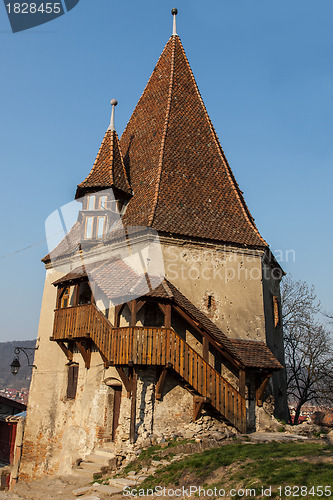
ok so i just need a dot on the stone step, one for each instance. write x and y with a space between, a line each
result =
121 482
107 490
81 491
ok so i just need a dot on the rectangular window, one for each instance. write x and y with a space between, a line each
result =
102 203
91 203
100 227
72 376
89 227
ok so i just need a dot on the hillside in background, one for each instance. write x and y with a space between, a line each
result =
22 379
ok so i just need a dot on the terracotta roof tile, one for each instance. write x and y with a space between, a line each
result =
255 354
181 179
108 169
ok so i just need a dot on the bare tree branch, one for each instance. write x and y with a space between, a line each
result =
308 346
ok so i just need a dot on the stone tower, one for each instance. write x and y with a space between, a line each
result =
129 353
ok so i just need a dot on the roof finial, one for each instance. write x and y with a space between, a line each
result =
114 103
174 12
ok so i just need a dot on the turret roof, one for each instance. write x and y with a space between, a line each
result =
108 169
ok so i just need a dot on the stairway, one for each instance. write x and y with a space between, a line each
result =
147 346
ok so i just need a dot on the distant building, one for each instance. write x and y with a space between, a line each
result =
123 356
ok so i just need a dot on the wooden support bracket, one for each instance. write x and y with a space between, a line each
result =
198 403
160 383
85 352
261 389
105 359
67 350
127 381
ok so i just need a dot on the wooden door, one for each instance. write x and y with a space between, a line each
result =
116 410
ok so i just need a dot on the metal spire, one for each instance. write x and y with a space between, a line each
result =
114 103
174 12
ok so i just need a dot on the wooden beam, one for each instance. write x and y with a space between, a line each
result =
198 403
128 383
203 332
117 312
261 389
205 348
167 318
160 383
59 292
105 359
76 294
242 383
133 313
139 305
85 352
133 407
67 350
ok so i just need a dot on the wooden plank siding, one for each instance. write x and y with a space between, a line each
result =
152 347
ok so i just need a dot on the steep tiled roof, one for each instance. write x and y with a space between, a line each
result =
108 169
181 180
255 354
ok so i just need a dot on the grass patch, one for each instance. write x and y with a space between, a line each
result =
261 464
152 453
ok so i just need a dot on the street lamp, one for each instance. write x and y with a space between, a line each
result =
15 364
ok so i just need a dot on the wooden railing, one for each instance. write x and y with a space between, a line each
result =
152 346
79 322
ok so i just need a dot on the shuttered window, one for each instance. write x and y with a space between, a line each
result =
73 372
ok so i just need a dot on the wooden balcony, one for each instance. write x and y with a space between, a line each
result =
80 322
142 346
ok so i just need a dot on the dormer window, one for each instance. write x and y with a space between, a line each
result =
89 228
100 227
91 202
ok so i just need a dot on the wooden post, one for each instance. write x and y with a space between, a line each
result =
205 348
167 317
76 294
133 313
242 383
117 311
133 407
59 292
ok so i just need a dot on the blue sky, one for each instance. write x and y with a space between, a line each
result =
265 71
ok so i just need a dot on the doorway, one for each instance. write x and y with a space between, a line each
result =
116 410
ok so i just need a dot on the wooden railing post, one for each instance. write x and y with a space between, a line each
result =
133 407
